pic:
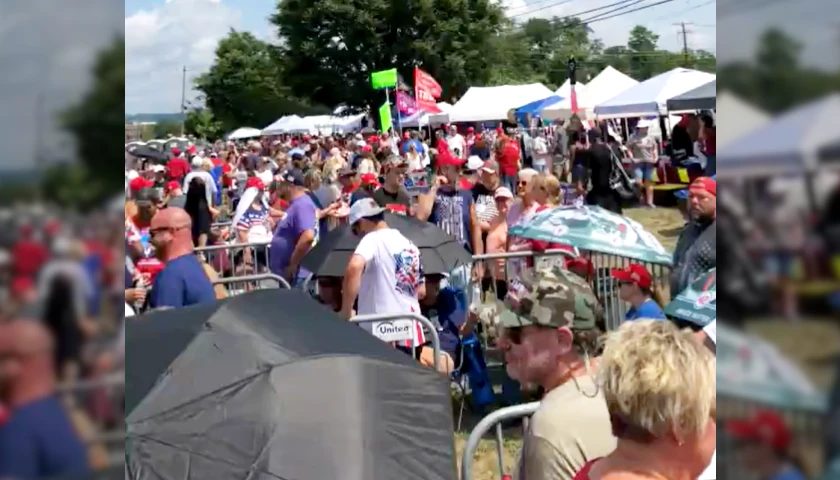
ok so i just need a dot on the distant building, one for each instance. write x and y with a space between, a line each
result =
135 131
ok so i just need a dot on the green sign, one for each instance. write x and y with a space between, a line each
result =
384 79
385 116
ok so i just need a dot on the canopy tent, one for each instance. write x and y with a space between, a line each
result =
483 104
537 106
419 119
565 90
244 132
295 392
606 85
276 128
789 144
301 125
443 117
703 97
830 154
735 118
649 97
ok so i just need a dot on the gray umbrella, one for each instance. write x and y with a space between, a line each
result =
276 386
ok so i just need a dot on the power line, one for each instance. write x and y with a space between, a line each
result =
531 5
685 43
550 5
578 13
663 2
683 12
732 8
615 10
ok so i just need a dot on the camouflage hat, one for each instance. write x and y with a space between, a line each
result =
552 297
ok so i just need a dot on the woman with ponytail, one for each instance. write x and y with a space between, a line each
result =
635 286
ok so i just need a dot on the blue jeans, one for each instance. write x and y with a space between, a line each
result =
509 181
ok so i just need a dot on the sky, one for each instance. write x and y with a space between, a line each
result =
47 52
163 36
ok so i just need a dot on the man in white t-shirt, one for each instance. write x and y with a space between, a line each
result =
456 143
199 172
384 271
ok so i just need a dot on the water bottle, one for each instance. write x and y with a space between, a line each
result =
139 283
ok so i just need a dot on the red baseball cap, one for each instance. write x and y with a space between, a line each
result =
367 148
446 158
21 285
767 427
369 179
255 183
176 151
140 183
705 184
191 149
634 273
470 130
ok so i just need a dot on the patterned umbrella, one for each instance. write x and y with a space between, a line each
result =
698 302
595 229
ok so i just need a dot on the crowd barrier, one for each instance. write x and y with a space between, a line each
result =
399 327
251 282
237 258
493 419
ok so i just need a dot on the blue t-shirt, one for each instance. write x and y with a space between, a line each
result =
449 314
181 283
788 473
650 309
451 212
300 217
39 441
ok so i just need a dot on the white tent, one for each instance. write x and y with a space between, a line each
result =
735 118
300 125
422 119
565 90
606 85
244 132
790 144
276 128
649 97
443 117
483 104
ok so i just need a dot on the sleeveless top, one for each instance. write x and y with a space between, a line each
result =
583 474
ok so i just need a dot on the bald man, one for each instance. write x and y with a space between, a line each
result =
182 282
38 439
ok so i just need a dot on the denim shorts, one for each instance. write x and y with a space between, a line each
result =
643 172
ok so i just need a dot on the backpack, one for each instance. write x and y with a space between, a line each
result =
620 181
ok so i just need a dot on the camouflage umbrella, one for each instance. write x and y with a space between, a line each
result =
697 303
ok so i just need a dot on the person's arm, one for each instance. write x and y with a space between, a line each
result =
475 228
350 285
426 203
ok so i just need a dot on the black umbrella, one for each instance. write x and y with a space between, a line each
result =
439 251
144 151
181 143
275 385
116 472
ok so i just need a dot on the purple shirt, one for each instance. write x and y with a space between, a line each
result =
300 217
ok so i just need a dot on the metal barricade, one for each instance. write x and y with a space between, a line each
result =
237 258
494 419
256 282
396 334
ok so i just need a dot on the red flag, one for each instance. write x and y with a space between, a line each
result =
426 91
573 99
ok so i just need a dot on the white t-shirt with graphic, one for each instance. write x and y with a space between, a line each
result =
711 471
392 276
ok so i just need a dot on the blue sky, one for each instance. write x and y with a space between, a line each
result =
162 36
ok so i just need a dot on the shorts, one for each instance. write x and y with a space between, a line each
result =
643 172
579 173
779 265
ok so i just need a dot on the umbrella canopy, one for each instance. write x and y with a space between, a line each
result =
157 144
439 251
703 97
145 151
595 229
116 472
537 106
697 303
263 392
649 97
181 143
244 132
790 144
749 368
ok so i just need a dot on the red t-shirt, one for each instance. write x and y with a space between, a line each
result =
227 182
28 256
178 168
509 159
709 141
464 184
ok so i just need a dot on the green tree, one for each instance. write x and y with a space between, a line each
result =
167 128
97 122
643 53
201 123
244 86
330 47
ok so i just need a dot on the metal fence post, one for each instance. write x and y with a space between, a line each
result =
380 317
484 426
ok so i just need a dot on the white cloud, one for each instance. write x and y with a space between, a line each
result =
160 42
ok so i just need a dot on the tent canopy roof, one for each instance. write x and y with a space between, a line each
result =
649 97
703 97
482 104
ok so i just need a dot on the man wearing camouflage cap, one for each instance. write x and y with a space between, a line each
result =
549 334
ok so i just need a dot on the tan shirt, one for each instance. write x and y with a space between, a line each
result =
569 429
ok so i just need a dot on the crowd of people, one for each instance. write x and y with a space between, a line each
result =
643 403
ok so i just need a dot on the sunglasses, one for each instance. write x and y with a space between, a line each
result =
522 183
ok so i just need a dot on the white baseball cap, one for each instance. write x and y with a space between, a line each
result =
474 163
197 161
366 207
158 168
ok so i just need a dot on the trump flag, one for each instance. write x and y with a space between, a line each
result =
426 91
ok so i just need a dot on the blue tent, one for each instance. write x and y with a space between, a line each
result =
534 108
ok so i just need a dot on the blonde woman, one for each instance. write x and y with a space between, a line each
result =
546 191
659 385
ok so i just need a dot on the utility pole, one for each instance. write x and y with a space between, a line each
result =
684 33
183 99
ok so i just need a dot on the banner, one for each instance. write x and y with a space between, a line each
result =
385 116
406 104
384 79
426 91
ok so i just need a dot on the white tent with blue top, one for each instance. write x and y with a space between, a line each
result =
649 97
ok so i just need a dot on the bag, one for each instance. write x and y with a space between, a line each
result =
620 181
